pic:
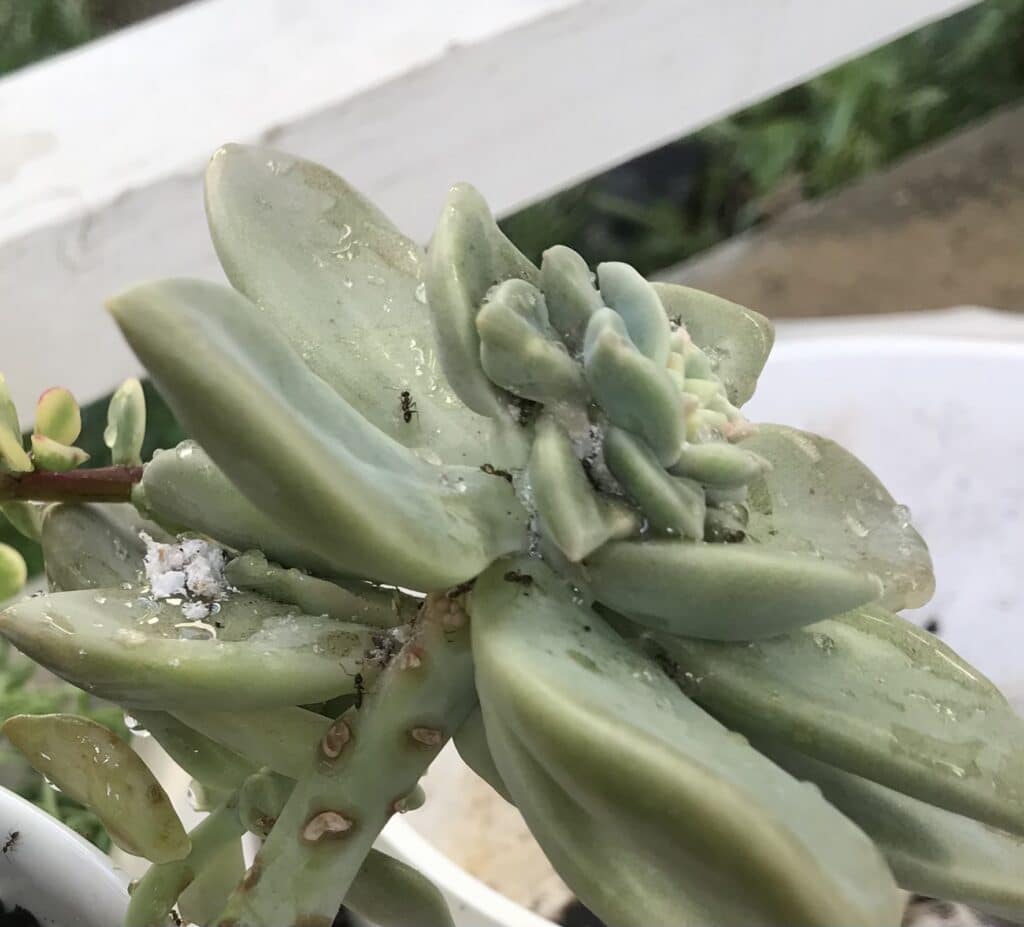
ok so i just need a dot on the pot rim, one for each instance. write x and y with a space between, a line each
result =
82 886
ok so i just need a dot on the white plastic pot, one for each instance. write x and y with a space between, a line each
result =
941 421
51 871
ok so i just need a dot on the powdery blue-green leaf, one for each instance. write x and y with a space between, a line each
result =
183 488
572 298
735 339
520 352
203 900
636 393
819 499
724 592
875 695
471 742
94 766
468 255
294 447
571 513
126 424
652 811
208 762
94 545
359 602
342 284
930 851
124 646
633 298
280 738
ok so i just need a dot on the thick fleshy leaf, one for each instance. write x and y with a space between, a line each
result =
253 653
468 255
183 488
652 812
735 339
203 900
930 851
48 454
520 352
12 452
632 297
569 290
157 891
389 893
875 695
367 504
25 517
635 392
94 545
58 415
471 742
126 424
359 602
819 499
572 514
95 767
13 572
341 283
728 592
670 504
281 739
205 760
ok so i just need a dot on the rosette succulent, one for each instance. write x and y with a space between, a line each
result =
451 495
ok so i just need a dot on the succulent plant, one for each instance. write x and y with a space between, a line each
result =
453 495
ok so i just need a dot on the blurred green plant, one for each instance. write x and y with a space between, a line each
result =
34 29
31 30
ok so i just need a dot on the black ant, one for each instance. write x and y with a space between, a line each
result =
523 579
12 842
492 470
360 691
408 405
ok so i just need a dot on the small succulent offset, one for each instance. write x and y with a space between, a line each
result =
667 636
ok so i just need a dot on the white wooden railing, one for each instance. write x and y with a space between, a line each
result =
101 149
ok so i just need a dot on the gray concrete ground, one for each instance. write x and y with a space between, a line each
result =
944 227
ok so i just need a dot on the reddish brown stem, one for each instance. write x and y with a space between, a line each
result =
103 484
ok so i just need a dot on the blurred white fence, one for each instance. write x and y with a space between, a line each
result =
102 149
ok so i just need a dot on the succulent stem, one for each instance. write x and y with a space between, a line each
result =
103 484
350 788
158 890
